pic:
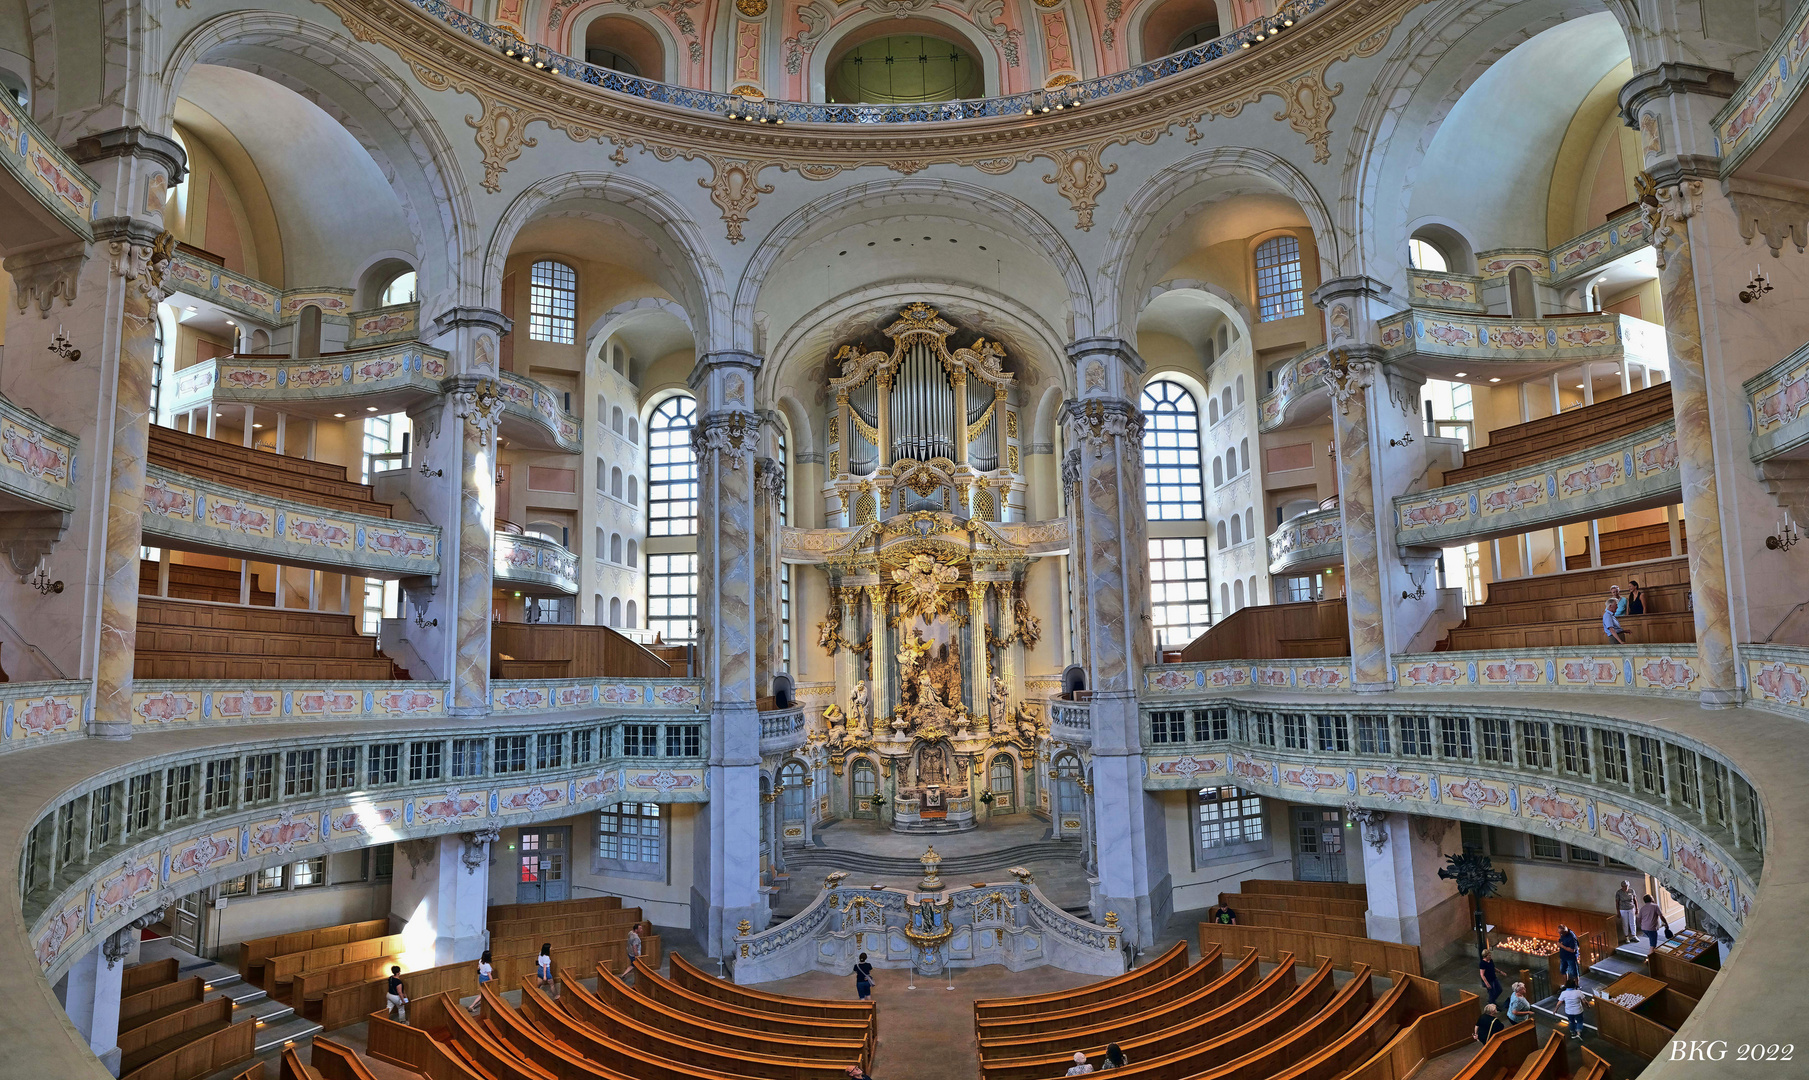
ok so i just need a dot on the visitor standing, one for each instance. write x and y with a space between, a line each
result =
543 968
1520 1009
1612 625
1568 951
634 948
1636 600
1627 907
863 978
485 972
1572 1001
1491 981
396 996
1650 920
1487 1025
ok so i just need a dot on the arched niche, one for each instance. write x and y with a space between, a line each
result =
871 25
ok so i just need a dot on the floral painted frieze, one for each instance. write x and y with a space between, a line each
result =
1444 291
36 711
1307 542
410 370
549 426
1295 380
1394 785
37 460
1321 675
201 854
1564 339
166 702
1766 95
43 170
535 560
1574 258
1777 677
1187 770
1548 806
1777 407
1671 670
194 276
385 324
1476 793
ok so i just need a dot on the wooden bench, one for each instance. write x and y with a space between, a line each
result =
1537 441
141 977
540 926
254 954
331 1061
648 984
1184 984
147 1042
1660 629
613 1005
1345 951
193 582
1505 1053
279 476
280 971
1684 976
686 974
1329 890
255 1071
1437 1031
505 912
1636 544
1177 1016
343 1005
1648 1027
1301 905
1403 1003
522 967
1289 920
1277 1004
415 1047
147 1006
201 1052
1589 582
560 939
1162 968
309 987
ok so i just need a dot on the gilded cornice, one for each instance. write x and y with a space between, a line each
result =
1291 66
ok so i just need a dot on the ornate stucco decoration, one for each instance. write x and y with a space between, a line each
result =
481 408
1774 212
1346 378
730 435
1665 208
923 587
476 851
1375 833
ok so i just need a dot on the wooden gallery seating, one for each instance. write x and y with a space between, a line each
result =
558 651
583 934
190 582
1638 544
1325 890
350 1004
299 976
1282 911
256 953
751 1010
181 639
167 1031
1566 609
1302 631
150 992
505 912
275 475
1538 441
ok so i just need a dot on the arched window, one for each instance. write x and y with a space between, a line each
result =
1225 398
1230 462
602 408
634 491
1224 338
602 475
1250 522
633 615
671 469
1243 447
1252 594
615 481
1067 786
552 303
602 545
1218 471
1237 529
865 784
615 548
1221 530
1001 780
1237 595
615 611
1171 453
634 553
400 290
1422 255
791 798
1280 293
1225 597
600 612
615 420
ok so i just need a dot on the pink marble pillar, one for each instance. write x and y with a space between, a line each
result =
479 410
769 489
1669 210
1349 380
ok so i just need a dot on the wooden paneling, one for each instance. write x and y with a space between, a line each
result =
538 926
1329 890
576 652
1124 1007
277 475
344 1005
207 583
147 1005
335 1062
140 977
1502 1058
203 1056
1345 952
1301 631
685 974
1301 905
1633 545
1524 918
140 1044
1588 582
1683 976
1645 630
179 639
280 970
1437 1031
1540 440
1631 1031
504 912
1289 920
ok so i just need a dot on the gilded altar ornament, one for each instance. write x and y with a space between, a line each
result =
930 882
1111 920
835 879
1024 876
921 588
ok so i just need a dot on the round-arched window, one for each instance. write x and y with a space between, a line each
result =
904 69
1001 778
791 799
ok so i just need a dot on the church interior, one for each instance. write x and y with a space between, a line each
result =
1211 539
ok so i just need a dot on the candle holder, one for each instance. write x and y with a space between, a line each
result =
1757 287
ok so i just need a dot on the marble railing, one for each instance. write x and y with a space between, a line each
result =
1444 291
1071 721
398 322
552 695
37 713
1330 675
548 426
1308 542
277 380
100 889
1766 96
1011 923
1561 339
1777 408
186 509
1296 380
782 730
37 460
210 281
44 170
1667 669
1597 782
523 559
1777 678
1575 258
1629 473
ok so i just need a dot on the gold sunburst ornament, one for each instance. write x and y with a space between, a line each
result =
922 587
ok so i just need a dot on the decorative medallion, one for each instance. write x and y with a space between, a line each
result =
753 9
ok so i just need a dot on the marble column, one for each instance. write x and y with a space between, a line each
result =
478 410
91 994
439 896
1104 428
769 489
1668 209
883 702
979 684
727 888
1350 378
959 379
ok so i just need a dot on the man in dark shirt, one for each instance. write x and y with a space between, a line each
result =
1487 1025
1225 915
1568 953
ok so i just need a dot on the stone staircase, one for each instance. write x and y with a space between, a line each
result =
278 1023
1598 976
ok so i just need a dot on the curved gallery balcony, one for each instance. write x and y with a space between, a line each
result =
387 378
1777 402
54 195
1311 541
534 565
534 417
1439 344
1298 392
37 469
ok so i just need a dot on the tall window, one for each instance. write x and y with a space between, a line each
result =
1172 482
785 616
629 833
1180 589
1280 293
552 303
672 596
1067 785
1229 815
157 364
671 469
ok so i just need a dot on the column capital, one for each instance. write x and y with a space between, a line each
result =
1105 367
134 142
1670 79
1357 285
724 379
481 318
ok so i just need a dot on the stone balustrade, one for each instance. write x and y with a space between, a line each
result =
1308 542
532 562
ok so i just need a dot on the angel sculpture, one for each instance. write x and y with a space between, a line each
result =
859 723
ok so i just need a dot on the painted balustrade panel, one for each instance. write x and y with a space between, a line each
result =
280 380
535 560
334 303
1444 291
1574 258
37 460
43 169
1308 541
1777 407
165 703
1071 722
204 280
553 695
180 507
1777 678
1295 380
1633 472
1329 675
35 714
1666 669
379 325
784 730
525 399
1563 339
1765 97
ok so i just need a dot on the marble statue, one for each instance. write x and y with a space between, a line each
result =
911 654
837 734
1029 723
996 704
860 724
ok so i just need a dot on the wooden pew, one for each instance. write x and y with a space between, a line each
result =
1502 1058
1331 890
148 1041
686 974
648 984
141 977
1305 905
1346 952
504 912
1289 920
293 1068
1274 1007
1241 987
540 926
559 939
201 1056
415 1048
487 1055
147 1005
308 987
514 970
1166 966
615 1005
1684 976
331 1061
1437 1032
632 1041
1185 984
255 953
1593 1067
1402 1004
1552 1062
345 1005
253 1072
281 970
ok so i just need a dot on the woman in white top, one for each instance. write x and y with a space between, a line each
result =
485 972
544 968
1572 1001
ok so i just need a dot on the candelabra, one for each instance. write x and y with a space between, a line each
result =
1757 287
1786 536
41 581
63 347
1406 439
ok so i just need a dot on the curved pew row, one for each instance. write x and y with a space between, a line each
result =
1179 1023
650 985
614 1005
687 976
1185 984
1162 968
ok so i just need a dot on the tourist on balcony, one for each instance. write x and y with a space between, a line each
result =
1491 981
1628 907
1636 600
1611 625
1620 602
1520 1010
1487 1024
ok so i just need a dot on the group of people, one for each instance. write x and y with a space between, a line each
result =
1113 1058
1639 918
1632 602
396 992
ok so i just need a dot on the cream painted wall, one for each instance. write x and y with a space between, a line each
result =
664 900
219 163
284 912
1198 886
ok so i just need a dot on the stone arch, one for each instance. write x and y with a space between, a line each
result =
928 20
627 311
569 37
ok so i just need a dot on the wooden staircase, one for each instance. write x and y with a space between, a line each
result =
1566 609
1309 630
1539 441
276 475
1633 545
180 639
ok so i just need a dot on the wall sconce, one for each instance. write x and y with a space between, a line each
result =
1757 287
63 347
425 471
422 623
1786 537
1406 439
41 581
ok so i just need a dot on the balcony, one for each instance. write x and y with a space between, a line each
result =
1311 541
1576 258
380 326
37 463
54 198
1071 722
1777 400
1517 348
390 378
1299 392
533 564
783 730
533 417
1445 291
192 275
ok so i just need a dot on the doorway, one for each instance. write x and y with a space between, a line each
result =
184 921
1318 844
541 860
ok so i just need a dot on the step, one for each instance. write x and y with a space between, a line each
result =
1613 966
262 1009
243 994
294 1029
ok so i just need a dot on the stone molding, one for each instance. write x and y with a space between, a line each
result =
1670 79
1770 210
134 142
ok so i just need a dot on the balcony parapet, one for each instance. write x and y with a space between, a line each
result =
1563 339
535 564
1329 675
1777 678
39 713
1071 721
42 168
379 326
1777 408
1311 541
1669 670
1297 382
532 416
783 730
37 459
514 696
1633 472
199 514
1765 97
398 375
189 273
1444 291
1575 258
